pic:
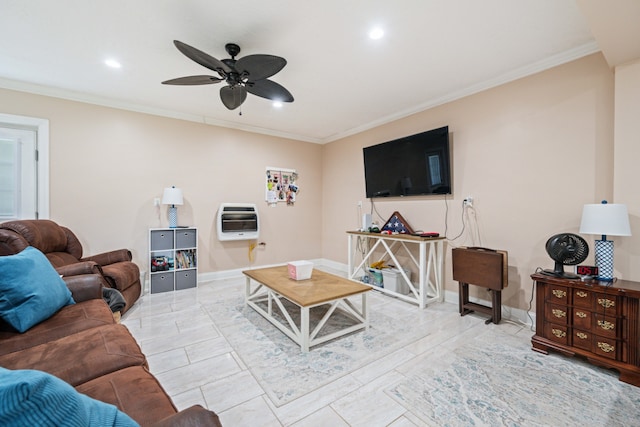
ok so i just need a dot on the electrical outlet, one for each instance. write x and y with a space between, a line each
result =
359 203
156 201
468 201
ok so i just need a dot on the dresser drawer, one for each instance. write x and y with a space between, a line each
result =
582 318
605 347
606 326
557 294
582 298
555 332
556 314
582 339
607 305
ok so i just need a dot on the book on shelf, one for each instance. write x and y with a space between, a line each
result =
186 259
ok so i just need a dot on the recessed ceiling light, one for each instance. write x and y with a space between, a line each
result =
112 63
376 33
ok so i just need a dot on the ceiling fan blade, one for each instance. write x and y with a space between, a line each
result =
202 58
259 67
192 80
269 89
233 96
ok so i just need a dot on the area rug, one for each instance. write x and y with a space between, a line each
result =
284 371
503 382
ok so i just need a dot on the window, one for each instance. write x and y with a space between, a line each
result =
24 167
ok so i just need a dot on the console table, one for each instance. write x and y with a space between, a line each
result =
429 262
599 321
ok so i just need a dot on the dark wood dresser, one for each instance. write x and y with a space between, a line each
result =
597 320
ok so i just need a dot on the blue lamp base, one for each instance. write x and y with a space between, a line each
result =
604 260
173 216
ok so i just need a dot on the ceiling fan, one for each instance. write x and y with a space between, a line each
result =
248 74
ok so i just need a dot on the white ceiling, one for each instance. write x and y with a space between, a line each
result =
343 82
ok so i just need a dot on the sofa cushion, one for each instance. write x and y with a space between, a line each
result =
30 289
134 391
60 259
33 398
68 321
81 357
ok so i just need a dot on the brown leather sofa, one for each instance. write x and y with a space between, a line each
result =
83 345
64 251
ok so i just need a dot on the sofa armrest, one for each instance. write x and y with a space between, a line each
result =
84 267
11 242
110 257
85 287
194 416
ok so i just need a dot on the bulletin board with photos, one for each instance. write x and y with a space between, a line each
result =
281 186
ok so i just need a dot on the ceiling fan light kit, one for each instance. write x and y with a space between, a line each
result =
249 74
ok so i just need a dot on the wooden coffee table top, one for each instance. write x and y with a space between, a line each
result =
321 287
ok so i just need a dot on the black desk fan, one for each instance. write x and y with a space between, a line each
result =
566 249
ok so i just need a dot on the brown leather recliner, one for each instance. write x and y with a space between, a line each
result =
64 251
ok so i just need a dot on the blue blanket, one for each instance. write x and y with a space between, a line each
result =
34 398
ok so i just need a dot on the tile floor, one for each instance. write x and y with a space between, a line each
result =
196 365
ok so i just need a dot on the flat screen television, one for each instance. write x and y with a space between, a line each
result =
415 165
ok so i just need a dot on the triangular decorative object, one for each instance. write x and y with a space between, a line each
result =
397 224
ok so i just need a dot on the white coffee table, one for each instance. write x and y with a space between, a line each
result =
273 284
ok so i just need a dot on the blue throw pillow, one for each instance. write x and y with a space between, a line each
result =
34 398
31 290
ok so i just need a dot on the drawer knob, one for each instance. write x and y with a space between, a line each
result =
558 333
582 294
607 326
558 293
607 348
581 314
606 303
582 335
559 313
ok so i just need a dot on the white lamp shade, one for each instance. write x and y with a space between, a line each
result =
172 196
605 219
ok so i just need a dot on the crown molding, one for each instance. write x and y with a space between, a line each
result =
536 67
528 70
69 95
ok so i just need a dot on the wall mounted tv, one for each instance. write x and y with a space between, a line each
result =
415 165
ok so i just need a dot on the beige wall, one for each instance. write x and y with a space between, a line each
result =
108 165
530 152
627 154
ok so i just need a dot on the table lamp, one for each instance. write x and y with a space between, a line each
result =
172 196
603 219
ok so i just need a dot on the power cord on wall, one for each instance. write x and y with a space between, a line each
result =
373 209
464 225
476 239
469 220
